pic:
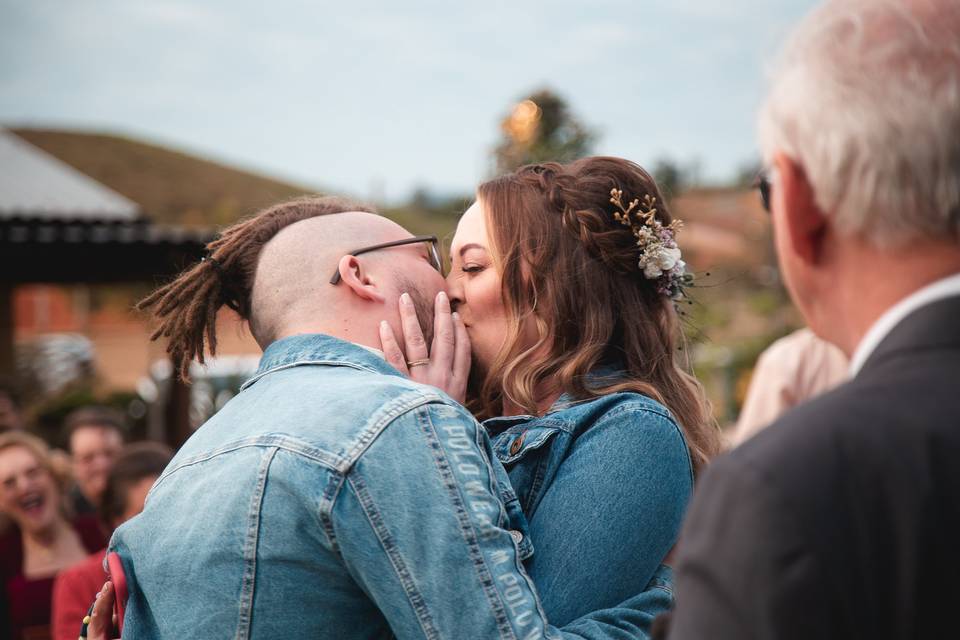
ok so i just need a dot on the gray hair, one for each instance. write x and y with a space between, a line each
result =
866 98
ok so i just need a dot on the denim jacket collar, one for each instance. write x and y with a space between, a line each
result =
608 372
318 348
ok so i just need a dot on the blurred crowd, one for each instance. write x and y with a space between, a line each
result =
57 511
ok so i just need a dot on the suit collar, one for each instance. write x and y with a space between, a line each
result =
943 288
933 326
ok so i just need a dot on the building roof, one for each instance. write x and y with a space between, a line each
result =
36 185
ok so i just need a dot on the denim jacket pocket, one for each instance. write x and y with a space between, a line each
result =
512 445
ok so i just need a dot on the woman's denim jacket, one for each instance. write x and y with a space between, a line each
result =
604 484
333 498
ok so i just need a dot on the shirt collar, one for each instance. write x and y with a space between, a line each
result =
319 349
943 288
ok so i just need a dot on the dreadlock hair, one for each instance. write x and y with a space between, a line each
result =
187 307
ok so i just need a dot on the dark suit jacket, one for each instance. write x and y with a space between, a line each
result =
841 520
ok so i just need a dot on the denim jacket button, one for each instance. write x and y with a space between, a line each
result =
516 535
515 447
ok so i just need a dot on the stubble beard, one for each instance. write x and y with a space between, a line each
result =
423 307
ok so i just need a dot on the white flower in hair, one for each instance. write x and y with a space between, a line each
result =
660 261
646 238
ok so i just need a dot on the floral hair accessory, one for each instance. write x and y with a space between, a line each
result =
659 254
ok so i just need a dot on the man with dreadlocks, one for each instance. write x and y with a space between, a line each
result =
332 497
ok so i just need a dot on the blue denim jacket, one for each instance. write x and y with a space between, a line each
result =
604 484
333 498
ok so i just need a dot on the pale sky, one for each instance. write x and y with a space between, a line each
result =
376 97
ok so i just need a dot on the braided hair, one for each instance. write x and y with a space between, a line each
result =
571 277
186 308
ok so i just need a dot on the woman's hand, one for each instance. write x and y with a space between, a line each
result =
447 364
101 620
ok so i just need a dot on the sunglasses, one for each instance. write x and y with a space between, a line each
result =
434 251
763 183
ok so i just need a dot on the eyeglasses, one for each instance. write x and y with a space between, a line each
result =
434 252
764 184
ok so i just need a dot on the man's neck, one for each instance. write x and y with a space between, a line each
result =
874 282
356 333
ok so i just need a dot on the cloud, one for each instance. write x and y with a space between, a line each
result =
177 14
343 93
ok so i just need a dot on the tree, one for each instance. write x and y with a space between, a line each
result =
670 177
747 173
674 177
541 128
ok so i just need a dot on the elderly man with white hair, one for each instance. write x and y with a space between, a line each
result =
844 520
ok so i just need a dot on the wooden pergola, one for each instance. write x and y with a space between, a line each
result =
58 226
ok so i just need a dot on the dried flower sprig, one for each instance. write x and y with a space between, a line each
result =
660 257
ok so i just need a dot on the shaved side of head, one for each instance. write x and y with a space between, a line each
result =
291 286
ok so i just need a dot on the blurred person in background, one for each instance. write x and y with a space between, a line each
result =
44 539
11 419
94 438
11 413
567 277
133 474
792 370
841 520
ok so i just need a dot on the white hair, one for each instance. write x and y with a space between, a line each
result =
866 99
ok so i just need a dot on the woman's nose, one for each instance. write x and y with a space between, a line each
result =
454 292
21 485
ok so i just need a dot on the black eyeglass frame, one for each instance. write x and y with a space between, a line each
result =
434 252
763 184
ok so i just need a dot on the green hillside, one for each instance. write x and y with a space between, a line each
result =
171 187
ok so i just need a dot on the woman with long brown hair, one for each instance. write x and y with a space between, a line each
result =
567 278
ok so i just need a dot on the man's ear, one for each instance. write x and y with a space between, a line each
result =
358 279
794 201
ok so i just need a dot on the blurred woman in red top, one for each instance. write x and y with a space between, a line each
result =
130 479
